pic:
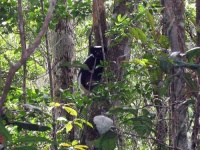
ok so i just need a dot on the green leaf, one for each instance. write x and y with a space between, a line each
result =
78 124
65 145
134 33
163 41
165 64
121 18
70 110
150 19
123 109
81 147
142 62
109 140
75 142
86 122
4 132
69 126
193 53
142 36
55 104
69 2
142 125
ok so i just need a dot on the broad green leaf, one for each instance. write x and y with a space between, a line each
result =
70 110
109 140
69 126
75 142
78 124
193 53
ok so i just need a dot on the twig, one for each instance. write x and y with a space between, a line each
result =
26 54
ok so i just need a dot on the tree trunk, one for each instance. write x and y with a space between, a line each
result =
174 17
195 132
120 50
97 106
63 50
99 23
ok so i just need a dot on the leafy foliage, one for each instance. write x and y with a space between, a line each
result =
146 76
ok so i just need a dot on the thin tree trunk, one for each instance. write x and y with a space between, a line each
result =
49 68
174 16
99 28
63 49
99 22
119 51
197 104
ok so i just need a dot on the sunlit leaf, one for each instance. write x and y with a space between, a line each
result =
69 126
78 124
70 110
86 122
65 145
141 61
75 142
55 104
80 147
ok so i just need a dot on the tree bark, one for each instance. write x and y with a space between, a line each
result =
99 23
63 50
120 50
174 17
196 127
15 67
96 108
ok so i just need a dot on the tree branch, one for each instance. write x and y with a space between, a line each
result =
26 54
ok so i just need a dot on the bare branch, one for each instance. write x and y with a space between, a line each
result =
26 54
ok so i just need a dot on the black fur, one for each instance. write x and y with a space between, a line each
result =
87 78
